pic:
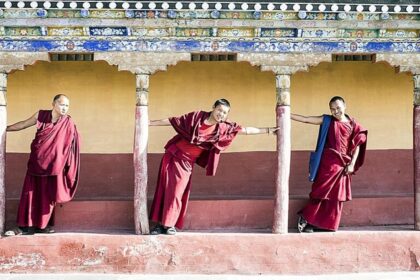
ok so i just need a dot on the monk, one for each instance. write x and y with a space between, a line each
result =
53 167
200 138
340 153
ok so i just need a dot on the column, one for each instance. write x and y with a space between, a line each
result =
3 124
281 201
141 135
416 150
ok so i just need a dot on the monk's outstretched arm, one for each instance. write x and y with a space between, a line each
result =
23 124
350 166
307 119
162 122
249 130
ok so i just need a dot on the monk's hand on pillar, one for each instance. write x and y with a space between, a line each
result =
272 130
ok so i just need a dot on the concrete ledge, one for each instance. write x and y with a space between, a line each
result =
214 253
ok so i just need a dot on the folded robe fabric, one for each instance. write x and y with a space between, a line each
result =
53 170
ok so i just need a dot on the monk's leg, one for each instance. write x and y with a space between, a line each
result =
173 181
322 213
35 205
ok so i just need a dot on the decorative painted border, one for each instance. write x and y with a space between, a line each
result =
42 32
258 46
215 14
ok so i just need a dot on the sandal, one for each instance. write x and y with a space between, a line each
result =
301 224
171 231
45 230
14 232
20 231
158 229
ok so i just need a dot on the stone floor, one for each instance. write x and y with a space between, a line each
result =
95 276
350 250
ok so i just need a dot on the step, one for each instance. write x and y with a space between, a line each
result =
363 249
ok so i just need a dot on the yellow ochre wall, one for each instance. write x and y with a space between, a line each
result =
103 101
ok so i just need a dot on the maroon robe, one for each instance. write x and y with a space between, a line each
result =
332 186
174 182
53 170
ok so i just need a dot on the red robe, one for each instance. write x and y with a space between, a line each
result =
332 186
174 182
53 170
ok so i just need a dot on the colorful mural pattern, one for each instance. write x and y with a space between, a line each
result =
250 31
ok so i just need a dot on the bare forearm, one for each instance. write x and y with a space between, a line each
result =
355 155
306 119
162 122
23 124
249 130
16 126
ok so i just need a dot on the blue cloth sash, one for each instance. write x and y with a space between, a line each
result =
315 157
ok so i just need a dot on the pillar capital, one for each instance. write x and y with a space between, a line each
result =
3 88
141 62
283 89
416 92
10 61
281 63
142 89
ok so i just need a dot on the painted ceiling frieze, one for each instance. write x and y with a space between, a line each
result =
210 26
115 45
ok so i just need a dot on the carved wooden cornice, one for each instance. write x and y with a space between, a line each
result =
142 63
284 63
10 61
403 62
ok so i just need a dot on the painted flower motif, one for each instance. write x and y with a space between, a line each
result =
70 45
215 14
215 45
353 46
23 32
400 33
319 33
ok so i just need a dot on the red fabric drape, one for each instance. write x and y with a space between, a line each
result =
53 170
332 186
174 181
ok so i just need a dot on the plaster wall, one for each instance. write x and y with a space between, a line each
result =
103 100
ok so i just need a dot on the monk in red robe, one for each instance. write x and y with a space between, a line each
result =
342 155
200 138
53 167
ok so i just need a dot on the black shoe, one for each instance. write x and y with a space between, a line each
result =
301 224
45 230
27 230
170 231
158 229
308 229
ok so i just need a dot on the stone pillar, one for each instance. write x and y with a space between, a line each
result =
3 124
416 150
283 65
141 135
10 61
281 201
410 62
142 65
